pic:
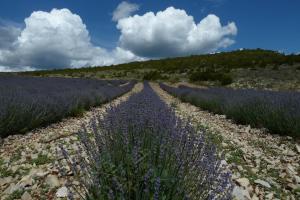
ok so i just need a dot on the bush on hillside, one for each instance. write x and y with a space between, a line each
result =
153 75
209 75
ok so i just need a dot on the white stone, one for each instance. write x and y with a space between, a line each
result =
26 196
254 170
76 183
240 168
34 156
243 182
240 193
52 181
289 153
38 172
254 197
62 192
297 179
34 186
263 183
269 196
223 163
293 186
224 144
26 181
290 170
298 148
269 161
42 174
247 129
14 168
5 180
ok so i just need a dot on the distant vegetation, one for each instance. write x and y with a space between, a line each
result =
279 112
220 61
27 103
236 67
211 75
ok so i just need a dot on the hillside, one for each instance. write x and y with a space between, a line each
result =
255 68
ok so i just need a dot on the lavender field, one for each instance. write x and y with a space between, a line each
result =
141 150
27 102
279 112
140 146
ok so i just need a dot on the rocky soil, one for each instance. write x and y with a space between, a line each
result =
29 163
264 166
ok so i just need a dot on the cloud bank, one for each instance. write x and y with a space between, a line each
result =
55 39
59 39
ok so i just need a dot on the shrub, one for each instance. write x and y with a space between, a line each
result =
226 79
275 67
209 75
141 150
203 76
153 75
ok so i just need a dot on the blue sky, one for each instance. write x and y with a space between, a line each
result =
260 23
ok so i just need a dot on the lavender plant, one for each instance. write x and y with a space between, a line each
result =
279 112
27 102
141 150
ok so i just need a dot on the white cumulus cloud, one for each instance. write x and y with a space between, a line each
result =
124 10
173 33
57 39
60 39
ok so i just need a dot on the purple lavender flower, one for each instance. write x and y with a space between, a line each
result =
156 188
30 102
146 152
277 111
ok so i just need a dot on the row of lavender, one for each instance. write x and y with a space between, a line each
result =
279 112
28 102
141 150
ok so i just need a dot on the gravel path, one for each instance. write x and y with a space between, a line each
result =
264 166
28 163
